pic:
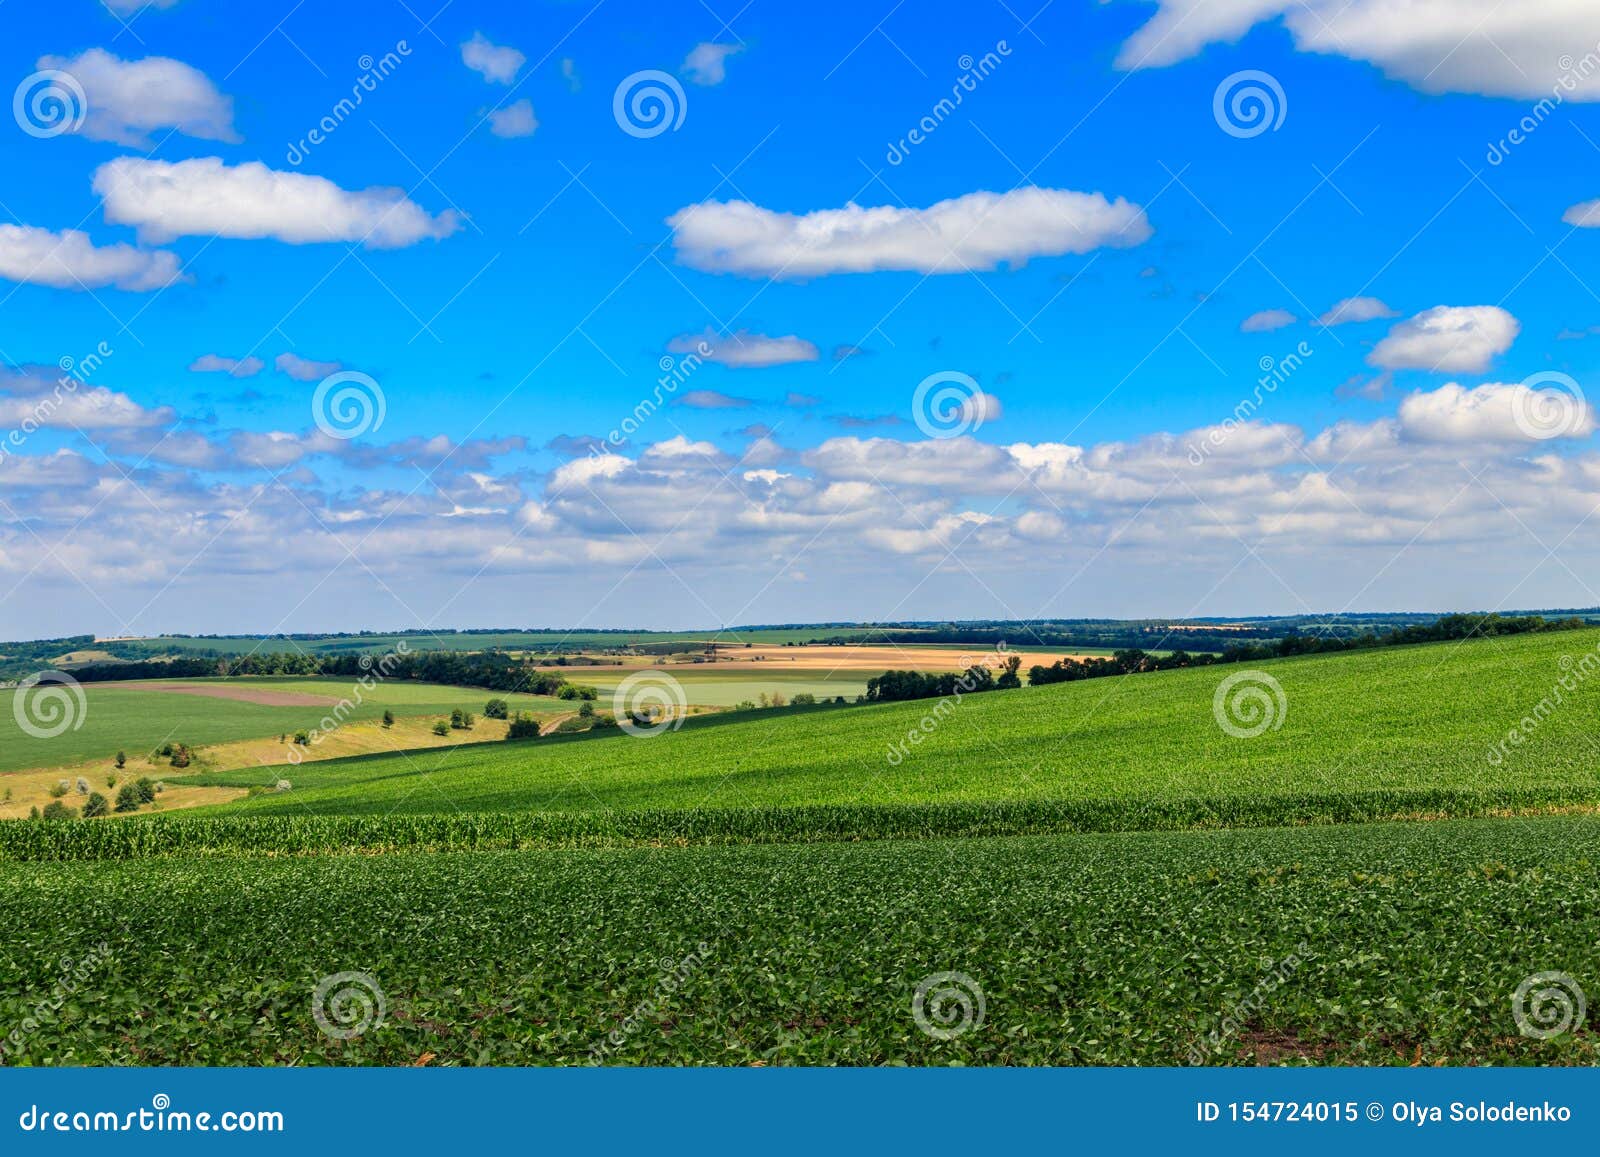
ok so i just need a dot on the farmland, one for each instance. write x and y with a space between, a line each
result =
1389 944
1116 874
1409 721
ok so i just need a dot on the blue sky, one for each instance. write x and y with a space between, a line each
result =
1140 256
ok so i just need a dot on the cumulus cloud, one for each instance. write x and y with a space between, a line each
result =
204 197
744 349
1266 320
978 231
1584 215
515 120
496 63
237 367
1354 309
304 369
1452 339
69 260
1472 46
125 100
42 397
705 63
1495 412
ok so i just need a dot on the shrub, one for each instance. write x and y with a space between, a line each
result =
60 789
82 786
180 755
577 691
145 790
283 785
128 798
604 722
441 728
586 710
303 738
523 726
95 805
122 760
462 720
804 699
164 750
57 811
111 781
495 709
388 718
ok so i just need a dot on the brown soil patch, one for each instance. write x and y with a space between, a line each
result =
258 695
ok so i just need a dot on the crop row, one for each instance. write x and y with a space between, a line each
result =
1370 944
38 841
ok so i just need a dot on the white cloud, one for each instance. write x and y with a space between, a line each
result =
1473 46
304 369
515 120
237 367
496 63
975 232
204 197
69 260
43 397
1493 412
124 100
1584 215
744 350
1266 320
705 63
1452 339
1354 309
712 400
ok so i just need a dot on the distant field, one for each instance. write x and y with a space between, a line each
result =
1403 720
1388 945
137 719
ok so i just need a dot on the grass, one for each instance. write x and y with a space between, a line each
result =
120 716
1402 722
1407 942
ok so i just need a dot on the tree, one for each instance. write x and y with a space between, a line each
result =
388 718
180 755
523 726
1009 678
586 710
441 728
128 798
495 709
122 760
145 790
95 805
57 811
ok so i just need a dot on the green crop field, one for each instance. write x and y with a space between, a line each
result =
124 716
1383 944
1100 867
1414 724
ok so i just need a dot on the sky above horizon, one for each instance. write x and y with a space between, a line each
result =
685 315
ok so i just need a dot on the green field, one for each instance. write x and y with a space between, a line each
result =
1408 942
770 888
1408 721
122 716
